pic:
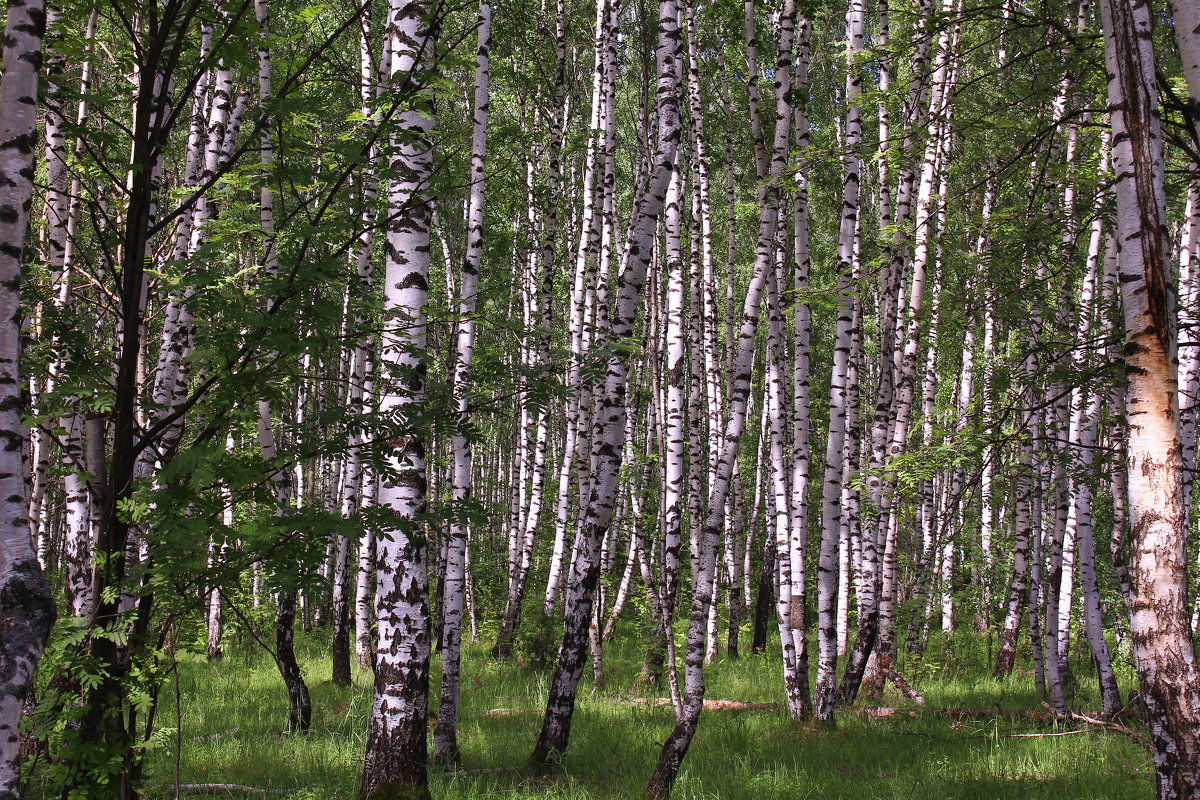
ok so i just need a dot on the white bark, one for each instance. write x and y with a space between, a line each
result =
1159 622
827 564
445 734
610 415
26 606
704 566
587 257
396 743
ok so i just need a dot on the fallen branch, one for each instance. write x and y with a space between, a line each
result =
1037 735
208 788
886 712
710 705
898 680
504 712
1100 723
487 771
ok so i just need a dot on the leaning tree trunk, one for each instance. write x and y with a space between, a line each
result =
1160 626
704 562
395 764
26 606
585 269
610 412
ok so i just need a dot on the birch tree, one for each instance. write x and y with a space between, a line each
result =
395 762
610 413
27 610
445 738
1161 629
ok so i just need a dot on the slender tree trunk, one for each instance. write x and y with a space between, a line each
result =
765 591
1017 585
827 563
610 406
1187 35
586 268
445 734
675 429
300 704
704 566
876 614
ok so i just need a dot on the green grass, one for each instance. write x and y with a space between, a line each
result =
233 711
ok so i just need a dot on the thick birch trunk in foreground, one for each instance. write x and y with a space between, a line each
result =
26 606
395 764
1159 621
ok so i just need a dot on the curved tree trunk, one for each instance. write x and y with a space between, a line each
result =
609 425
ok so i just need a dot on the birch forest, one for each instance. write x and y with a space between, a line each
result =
408 399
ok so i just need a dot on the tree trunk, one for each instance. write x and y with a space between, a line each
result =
1161 629
445 737
610 411
395 764
26 606
827 562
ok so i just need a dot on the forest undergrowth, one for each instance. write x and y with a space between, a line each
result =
229 730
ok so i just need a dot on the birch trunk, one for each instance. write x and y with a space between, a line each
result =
395 764
362 385
1187 36
445 734
798 613
609 425
704 565
1160 626
27 610
827 563
587 256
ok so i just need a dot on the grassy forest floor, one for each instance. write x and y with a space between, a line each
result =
232 713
